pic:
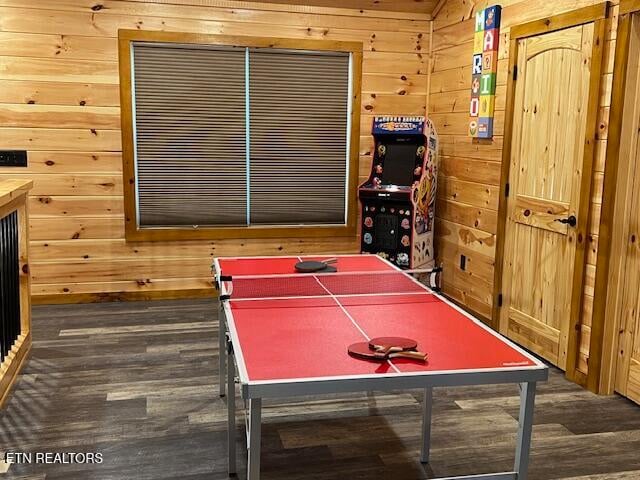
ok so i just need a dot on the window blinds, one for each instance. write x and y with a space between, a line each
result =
298 136
195 116
190 135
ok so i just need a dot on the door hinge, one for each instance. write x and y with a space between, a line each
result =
506 190
515 72
499 299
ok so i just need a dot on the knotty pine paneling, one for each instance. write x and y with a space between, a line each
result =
77 139
60 116
478 162
72 162
484 174
57 227
77 18
87 249
95 71
464 214
57 69
514 12
457 101
403 84
60 101
59 93
75 205
468 192
73 184
360 8
414 6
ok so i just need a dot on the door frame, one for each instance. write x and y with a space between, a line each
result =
597 14
606 318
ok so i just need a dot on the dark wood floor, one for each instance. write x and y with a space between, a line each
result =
137 382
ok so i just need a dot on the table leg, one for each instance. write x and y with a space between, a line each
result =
525 426
222 348
255 407
231 412
427 406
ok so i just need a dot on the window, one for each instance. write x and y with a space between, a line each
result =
238 137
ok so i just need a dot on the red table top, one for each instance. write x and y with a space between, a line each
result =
306 337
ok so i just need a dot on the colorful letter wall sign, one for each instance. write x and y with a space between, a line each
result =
483 72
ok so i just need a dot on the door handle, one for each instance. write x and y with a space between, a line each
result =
571 221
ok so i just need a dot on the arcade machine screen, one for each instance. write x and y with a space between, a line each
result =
400 158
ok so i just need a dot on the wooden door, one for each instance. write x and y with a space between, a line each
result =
627 251
628 367
549 183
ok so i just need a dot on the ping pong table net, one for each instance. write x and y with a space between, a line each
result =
388 282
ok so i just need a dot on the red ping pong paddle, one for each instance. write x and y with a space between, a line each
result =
310 266
362 350
392 344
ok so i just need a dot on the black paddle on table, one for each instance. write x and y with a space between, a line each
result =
311 266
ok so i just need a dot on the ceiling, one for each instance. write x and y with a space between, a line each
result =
412 6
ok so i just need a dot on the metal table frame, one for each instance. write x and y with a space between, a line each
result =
254 392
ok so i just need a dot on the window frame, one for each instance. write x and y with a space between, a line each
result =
134 232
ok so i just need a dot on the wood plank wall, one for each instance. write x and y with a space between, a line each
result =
470 170
418 6
59 100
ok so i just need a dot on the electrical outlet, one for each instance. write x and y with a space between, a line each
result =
13 158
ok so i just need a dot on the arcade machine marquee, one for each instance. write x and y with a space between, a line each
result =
398 198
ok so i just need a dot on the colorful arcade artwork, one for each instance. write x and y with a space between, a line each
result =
484 69
398 199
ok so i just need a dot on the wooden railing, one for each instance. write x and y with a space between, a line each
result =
15 282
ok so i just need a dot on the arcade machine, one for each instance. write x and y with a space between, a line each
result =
398 199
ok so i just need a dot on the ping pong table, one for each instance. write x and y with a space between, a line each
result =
287 334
